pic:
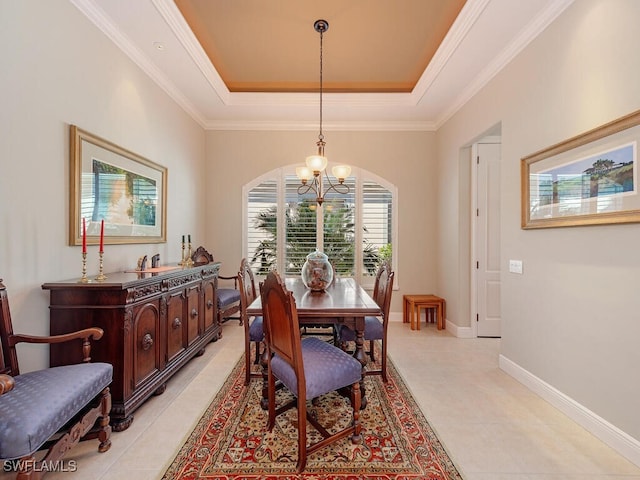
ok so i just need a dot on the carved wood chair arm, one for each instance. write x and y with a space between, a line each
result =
85 334
234 278
6 383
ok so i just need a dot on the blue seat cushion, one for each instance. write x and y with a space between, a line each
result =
42 402
227 296
373 330
326 368
256 334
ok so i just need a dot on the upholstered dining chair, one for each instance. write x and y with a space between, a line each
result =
308 367
375 328
228 298
52 408
253 332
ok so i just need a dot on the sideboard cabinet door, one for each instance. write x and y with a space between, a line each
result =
175 326
210 306
192 304
146 342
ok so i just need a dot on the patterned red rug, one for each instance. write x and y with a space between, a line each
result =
231 441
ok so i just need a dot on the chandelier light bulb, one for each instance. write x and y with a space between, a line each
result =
304 173
317 163
341 172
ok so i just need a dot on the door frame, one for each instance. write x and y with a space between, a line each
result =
473 310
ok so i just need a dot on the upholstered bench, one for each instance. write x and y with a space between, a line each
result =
42 402
53 408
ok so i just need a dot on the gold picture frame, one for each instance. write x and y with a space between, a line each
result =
590 179
110 183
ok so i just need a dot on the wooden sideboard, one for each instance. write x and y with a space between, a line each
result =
153 324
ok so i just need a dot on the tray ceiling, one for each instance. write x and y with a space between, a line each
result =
388 65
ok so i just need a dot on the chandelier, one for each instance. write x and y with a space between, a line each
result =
311 174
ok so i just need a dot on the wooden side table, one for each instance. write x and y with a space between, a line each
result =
413 303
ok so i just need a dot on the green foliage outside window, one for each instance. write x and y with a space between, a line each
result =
339 238
385 252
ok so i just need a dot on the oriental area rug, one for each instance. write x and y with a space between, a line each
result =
231 441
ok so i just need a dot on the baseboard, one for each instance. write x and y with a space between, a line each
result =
621 442
452 328
459 332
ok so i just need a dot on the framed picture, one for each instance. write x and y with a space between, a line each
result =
109 183
590 179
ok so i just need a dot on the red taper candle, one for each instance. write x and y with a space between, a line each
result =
84 236
102 236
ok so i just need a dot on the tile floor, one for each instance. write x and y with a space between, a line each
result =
493 427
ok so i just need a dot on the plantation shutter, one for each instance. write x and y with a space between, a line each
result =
377 223
340 229
262 228
300 226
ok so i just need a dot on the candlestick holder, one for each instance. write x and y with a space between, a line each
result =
84 278
183 251
188 261
101 276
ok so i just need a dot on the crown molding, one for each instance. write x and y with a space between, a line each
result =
97 16
232 125
535 28
459 30
171 14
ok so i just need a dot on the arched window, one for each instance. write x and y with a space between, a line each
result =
356 230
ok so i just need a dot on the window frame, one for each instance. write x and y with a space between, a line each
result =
278 175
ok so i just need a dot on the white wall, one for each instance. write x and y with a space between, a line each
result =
571 320
59 69
405 159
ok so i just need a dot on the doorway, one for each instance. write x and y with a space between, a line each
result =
485 302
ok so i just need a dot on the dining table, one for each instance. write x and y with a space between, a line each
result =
344 302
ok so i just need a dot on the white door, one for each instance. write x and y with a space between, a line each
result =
487 156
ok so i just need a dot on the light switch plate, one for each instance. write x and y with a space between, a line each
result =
515 266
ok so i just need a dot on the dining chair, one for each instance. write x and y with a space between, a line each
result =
228 299
375 328
308 367
228 296
253 332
